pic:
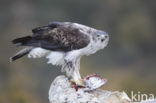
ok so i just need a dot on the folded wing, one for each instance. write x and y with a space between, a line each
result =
56 36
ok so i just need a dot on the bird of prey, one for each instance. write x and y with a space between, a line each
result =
63 43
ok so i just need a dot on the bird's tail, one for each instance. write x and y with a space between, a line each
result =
21 53
22 41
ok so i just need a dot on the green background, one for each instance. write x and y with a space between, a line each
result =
128 62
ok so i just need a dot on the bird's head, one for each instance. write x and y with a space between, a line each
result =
100 38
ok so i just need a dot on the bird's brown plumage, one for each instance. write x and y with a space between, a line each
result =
56 36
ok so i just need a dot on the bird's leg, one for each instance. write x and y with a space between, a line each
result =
89 83
77 78
76 74
68 68
72 67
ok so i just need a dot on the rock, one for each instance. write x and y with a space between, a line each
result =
61 91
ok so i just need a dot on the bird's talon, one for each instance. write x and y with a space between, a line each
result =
89 83
78 84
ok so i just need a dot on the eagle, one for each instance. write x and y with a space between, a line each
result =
63 44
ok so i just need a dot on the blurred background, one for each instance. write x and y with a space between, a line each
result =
128 62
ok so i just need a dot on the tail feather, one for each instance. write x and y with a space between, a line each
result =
22 40
21 53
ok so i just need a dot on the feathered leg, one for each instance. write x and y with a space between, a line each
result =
76 73
72 70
